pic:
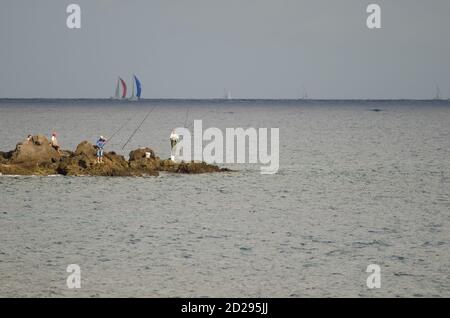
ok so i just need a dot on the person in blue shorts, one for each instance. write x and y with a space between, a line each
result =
101 142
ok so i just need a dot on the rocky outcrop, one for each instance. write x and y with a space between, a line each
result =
38 157
141 153
143 160
85 148
198 167
36 150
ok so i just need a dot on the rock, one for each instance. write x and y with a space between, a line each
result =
84 162
113 165
109 168
74 166
5 156
76 163
140 153
37 150
141 164
198 167
145 166
39 140
67 153
28 170
169 165
37 157
86 148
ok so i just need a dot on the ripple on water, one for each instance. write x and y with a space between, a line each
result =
337 204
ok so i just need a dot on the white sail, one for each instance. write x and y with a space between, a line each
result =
305 93
438 92
133 96
117 93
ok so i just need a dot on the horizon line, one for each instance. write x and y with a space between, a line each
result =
221 99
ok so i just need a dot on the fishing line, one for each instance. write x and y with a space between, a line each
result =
118 130
187 116
134 132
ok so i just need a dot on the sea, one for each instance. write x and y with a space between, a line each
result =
360 183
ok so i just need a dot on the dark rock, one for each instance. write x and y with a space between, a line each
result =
86 148
198 167
5 155
76 163
37 157
140 153
44 169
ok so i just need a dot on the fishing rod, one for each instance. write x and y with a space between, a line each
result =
187 116
118 130
134 132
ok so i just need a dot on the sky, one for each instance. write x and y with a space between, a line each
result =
202 48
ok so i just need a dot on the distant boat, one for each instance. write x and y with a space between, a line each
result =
136 93
120 82
305 94
438 93
228 95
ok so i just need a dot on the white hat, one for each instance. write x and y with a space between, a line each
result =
101 137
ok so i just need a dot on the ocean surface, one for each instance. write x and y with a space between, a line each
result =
355 187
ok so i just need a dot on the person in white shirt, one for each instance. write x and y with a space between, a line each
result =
173 143
54 142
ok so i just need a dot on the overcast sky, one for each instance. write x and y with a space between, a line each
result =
200 48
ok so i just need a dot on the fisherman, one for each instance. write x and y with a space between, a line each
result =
54 142
101 142
173 143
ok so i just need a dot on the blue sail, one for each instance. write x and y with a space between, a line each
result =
138 87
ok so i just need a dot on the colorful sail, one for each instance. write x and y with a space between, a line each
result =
138 87
124 88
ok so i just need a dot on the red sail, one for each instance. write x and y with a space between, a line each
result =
124 88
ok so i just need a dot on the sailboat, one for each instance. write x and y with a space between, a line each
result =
120 82
228 95
136 93
438 93
305 94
